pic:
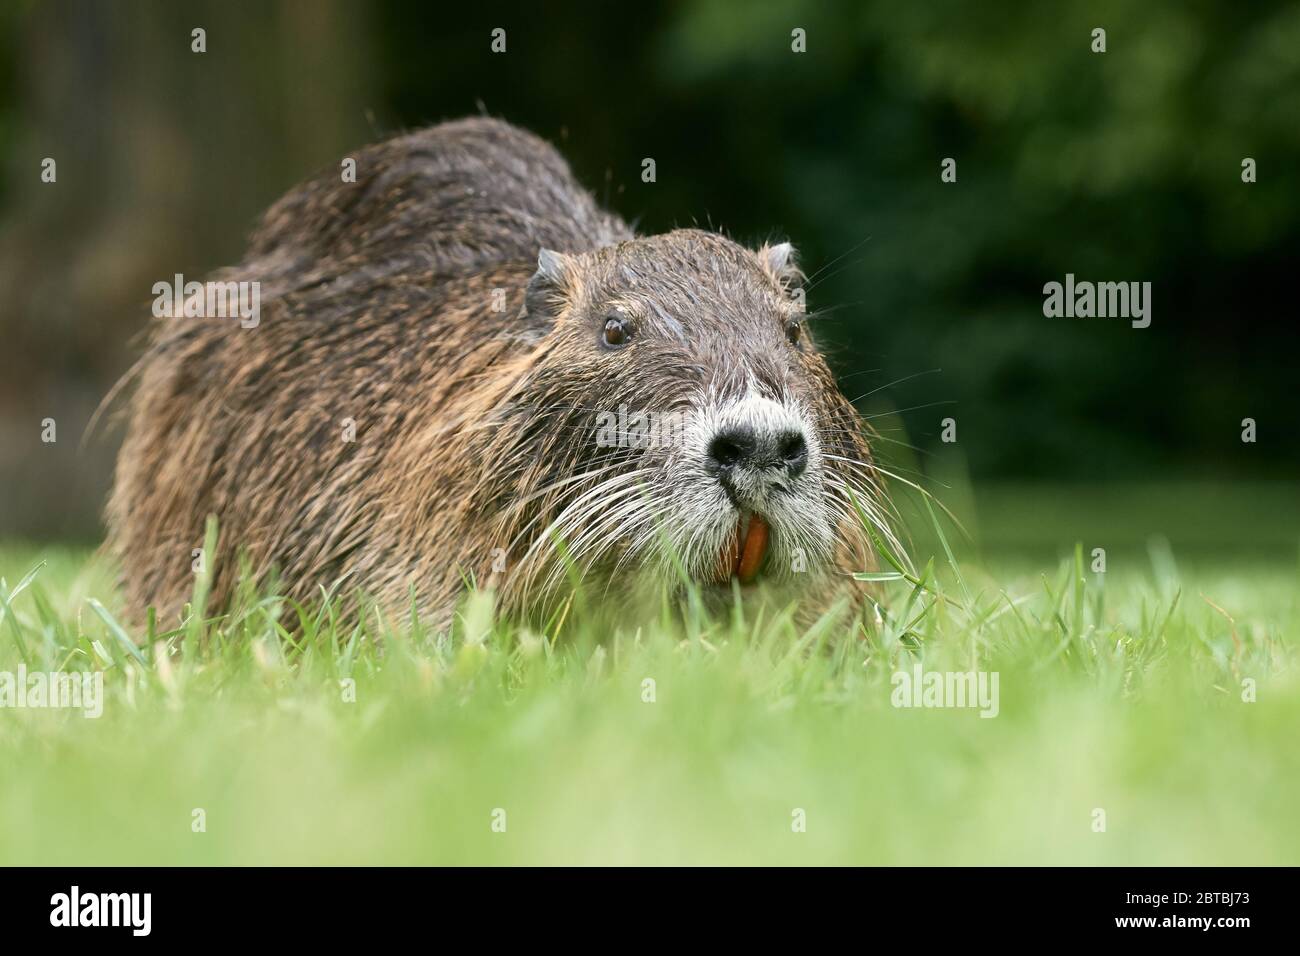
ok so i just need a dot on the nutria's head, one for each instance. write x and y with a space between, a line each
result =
677 419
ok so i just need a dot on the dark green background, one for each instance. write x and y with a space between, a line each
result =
1124 166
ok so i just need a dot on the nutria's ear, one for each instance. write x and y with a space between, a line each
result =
549 288
779 262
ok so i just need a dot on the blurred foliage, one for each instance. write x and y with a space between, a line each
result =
1122 166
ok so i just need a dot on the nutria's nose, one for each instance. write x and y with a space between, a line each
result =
743 447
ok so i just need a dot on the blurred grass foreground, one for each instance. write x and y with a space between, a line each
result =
1146 715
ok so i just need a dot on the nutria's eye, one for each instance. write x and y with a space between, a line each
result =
794 332
618 332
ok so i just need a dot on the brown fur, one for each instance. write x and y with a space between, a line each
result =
473 426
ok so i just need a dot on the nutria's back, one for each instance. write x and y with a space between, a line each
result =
419 402
450 200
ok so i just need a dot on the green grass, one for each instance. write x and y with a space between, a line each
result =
1120 691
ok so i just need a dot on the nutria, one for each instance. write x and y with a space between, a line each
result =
439 389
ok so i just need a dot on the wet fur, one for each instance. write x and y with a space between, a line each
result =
474 427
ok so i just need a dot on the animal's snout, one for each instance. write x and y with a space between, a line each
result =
771 455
